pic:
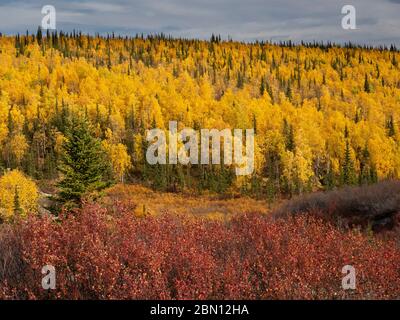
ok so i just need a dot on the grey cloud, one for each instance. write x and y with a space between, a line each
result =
249 20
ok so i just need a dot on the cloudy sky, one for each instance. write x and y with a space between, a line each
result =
378 21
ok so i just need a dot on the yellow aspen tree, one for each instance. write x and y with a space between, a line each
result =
118 155
18 195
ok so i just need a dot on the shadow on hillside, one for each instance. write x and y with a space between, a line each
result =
376 206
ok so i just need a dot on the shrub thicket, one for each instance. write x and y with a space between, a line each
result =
102 255
375 205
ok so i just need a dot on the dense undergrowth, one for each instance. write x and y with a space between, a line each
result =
103 253
376 206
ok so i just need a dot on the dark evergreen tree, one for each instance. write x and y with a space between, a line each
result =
289 136
348 173
39 35
367 86
390 127
83 163
394 60
262 87
365 167
346 132
240 80
289 91
17 204
271 94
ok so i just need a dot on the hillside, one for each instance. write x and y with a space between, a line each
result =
324 115
79 195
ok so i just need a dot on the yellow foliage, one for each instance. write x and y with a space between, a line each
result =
130 85
14 184
118 155
18 146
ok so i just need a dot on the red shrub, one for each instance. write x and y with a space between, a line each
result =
98 255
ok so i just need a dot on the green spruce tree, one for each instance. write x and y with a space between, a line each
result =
83 163
289 136
348 172
367 86
262 87
390 127
17 203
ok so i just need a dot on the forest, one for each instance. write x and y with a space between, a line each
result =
77 192
324 115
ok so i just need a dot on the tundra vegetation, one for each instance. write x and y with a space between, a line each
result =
75 112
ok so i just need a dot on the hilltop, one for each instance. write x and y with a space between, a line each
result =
324 115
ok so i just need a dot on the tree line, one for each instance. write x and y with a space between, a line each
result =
324 115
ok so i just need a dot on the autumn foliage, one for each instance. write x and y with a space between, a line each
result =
109 254
324 115
18 195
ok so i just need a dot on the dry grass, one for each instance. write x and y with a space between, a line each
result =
149 202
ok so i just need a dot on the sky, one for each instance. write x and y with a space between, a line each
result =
378 21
